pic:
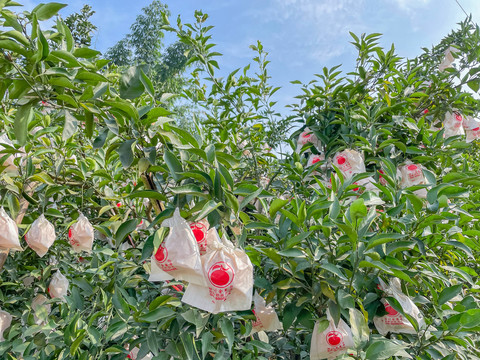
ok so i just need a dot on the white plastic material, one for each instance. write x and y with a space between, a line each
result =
40 236
229 275
332 342
267 319
368 183
200 230
448 59
8 232
453 124
178 257
134 355
307 136
5 322
472 129
38 301
81 235
411 174
350 162
58 286
395 322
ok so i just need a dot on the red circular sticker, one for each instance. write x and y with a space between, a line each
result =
221 274
458 117
391 311
334 338
199 231
306 135
316 159
161 255
341 160
412 167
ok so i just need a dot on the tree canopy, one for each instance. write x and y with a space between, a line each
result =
80 137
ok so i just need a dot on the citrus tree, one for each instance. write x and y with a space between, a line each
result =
85 139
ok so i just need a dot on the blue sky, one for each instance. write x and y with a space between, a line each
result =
301 36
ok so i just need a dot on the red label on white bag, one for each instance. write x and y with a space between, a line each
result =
221 277
335 340
414 171
162 258
305 138
343 164
393 317
71 239
257 322
458 121
200 232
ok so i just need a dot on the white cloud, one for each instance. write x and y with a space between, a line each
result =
410 6
320 27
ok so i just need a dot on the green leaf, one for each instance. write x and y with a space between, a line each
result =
276 205
449 293
125 151
227 329
207 209
46 11
131 86
70 127
333 269
359 326
85 53
250 197
383 349
470 318
147 83
149 194
207 338
157 314
358 209
23 117
380 239
334 208
173 164
124 230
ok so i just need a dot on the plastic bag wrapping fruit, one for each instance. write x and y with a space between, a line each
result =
266 317
37 303
472 128
307 136
453 124
40 236
393 321
5 322
58 286
200 230
331 342
178 257
81 235
448 59
411 174
229 275
350 162
8 232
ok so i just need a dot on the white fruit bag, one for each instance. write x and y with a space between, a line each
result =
307 136
5 321
395 322
37 302
229 275
448 59
8 232
41 235
134 355
267 319
453 124
58 286
331 342
200 229
350 162
81 235
411 174
178 257
472 129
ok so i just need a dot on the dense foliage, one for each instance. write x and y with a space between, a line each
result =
87 139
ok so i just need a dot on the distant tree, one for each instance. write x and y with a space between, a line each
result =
144 45
81 27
